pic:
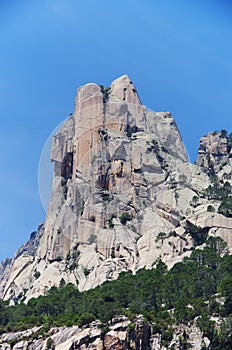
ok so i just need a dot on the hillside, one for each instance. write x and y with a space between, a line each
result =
186 307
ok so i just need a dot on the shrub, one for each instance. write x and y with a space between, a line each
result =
72 266
194 201
68 256
131 326
225 207
105 330
85 318
125 217
217 191
86 271
210 208
223 133
161 237
76 254
167 336
37 274
197 233
131 129
111 224
50 344
113 253
154 147
62 283
58 258
105 90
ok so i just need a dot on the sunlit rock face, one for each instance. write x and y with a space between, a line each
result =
215 153
123 194
119 336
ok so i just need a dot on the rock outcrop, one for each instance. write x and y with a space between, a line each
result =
215 152
123 193
120 334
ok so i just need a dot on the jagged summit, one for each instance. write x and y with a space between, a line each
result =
124 89
124 194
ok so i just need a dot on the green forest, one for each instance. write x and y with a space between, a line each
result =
199 286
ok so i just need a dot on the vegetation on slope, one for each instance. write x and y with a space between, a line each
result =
200 286
220 191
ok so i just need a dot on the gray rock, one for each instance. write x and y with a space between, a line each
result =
121 177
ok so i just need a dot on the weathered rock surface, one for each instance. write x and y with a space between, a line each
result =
121 334
123 192
21 263
215 154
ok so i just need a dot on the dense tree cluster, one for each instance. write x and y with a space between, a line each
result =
220 191
199 286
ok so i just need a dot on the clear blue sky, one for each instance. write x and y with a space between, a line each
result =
178 54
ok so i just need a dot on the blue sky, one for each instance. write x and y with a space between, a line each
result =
178 54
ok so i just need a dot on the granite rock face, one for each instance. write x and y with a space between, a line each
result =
123 193
122 334
215 153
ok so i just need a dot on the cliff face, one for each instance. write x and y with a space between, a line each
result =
124 194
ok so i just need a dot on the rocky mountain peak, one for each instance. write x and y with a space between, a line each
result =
124 194
124 89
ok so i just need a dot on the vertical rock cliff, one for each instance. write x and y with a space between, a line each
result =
124 194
